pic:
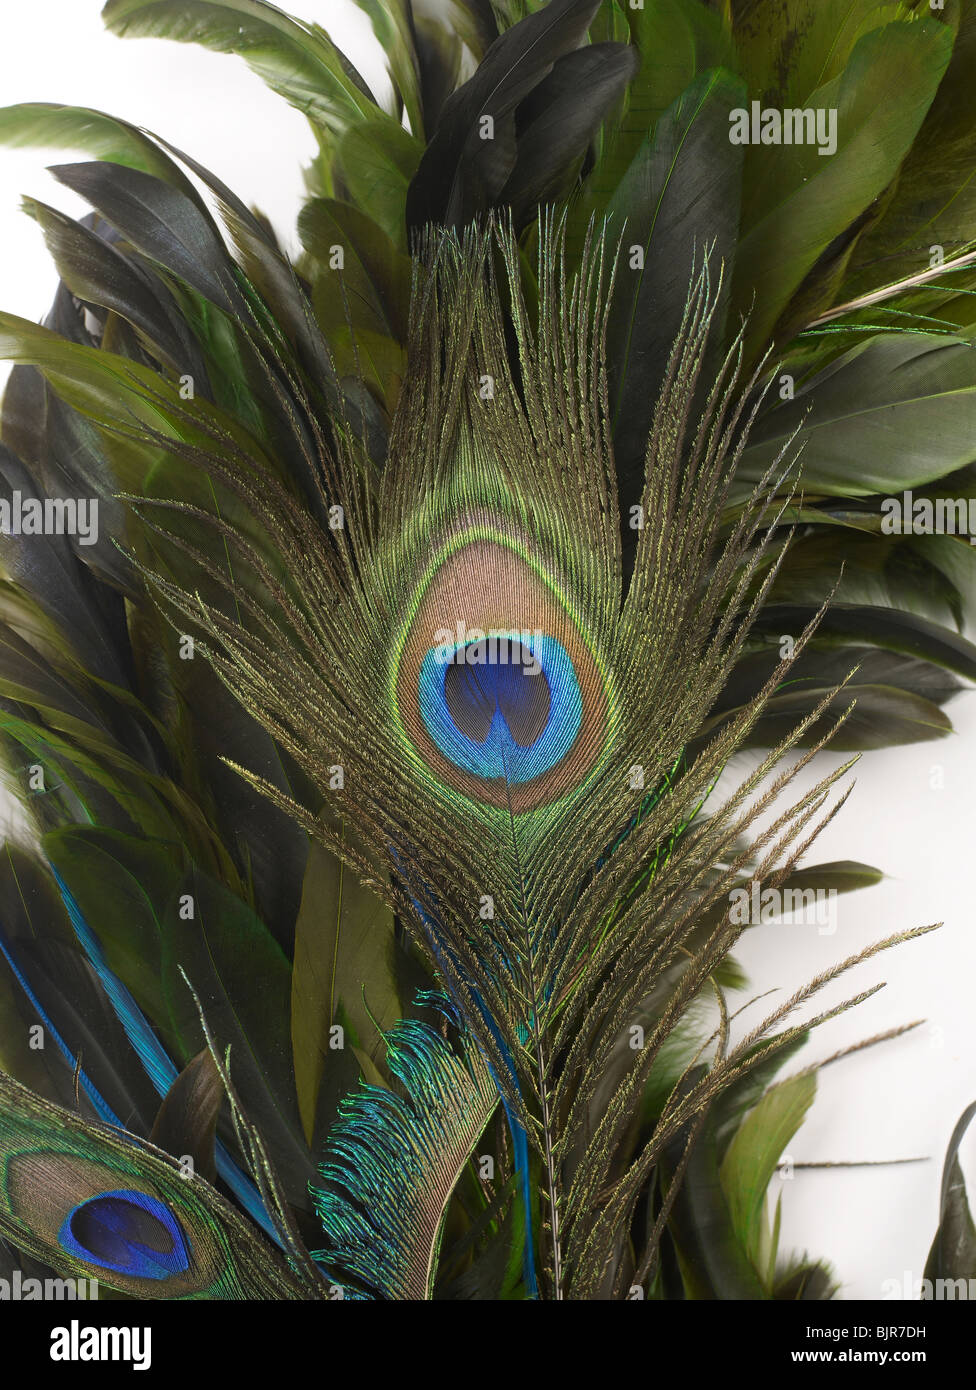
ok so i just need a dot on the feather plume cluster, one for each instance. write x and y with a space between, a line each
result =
507 793
376 906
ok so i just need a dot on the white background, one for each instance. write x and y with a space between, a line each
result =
900 1100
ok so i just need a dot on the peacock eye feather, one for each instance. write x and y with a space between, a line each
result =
496 688
127 1231
94 1201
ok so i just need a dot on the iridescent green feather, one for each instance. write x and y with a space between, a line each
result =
392 1162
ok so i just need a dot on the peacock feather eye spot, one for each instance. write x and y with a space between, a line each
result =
502 705
496 688
127 1231
480 679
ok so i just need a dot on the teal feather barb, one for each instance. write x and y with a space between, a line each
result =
392 1162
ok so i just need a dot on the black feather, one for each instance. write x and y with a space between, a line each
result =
557 121
461 173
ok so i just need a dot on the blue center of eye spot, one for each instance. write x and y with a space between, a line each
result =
127 1231
506 705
